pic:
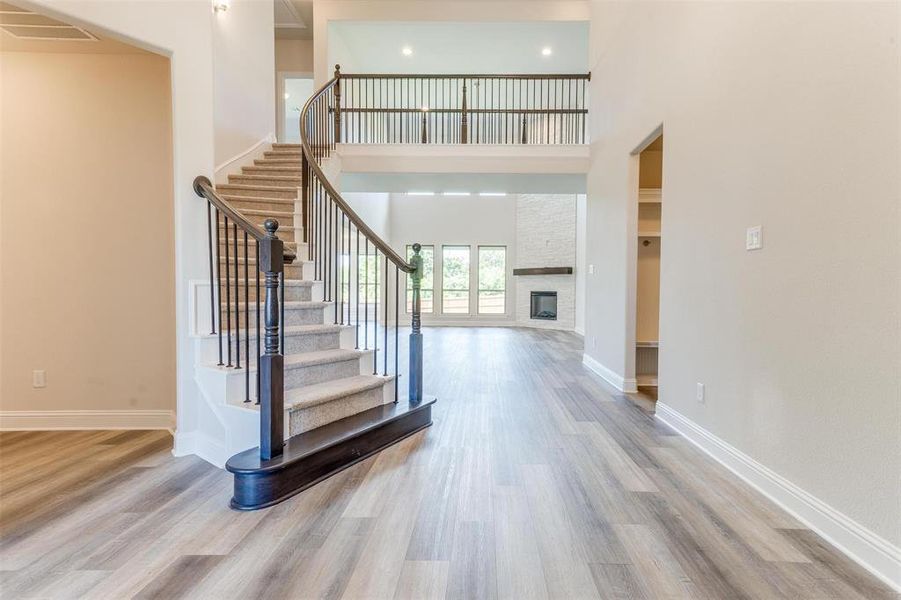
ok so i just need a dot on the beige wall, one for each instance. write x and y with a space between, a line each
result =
294 56
786 115
86 217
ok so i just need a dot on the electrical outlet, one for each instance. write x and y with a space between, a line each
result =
754 238
700 393
594 342
39 379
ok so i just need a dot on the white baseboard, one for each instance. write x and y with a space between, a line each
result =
40 420
872 552
233 164
202 445
629 386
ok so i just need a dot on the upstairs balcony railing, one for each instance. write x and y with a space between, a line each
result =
460 109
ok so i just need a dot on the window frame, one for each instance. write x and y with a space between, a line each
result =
468 288
478 275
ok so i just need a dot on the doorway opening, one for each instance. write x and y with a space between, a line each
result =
647 288
294 90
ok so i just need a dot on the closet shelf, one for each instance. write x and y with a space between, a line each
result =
642 234
646 380
650 196
648 344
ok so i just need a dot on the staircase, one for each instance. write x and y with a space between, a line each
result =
291 265
335 406
323 381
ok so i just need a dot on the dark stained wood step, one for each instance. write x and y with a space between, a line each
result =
315 455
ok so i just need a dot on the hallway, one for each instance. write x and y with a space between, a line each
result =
534 481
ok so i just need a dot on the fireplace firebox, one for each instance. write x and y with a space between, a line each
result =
544 306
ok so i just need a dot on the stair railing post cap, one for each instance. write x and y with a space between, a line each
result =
199 182
271 226
417 247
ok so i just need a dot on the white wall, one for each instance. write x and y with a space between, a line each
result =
374 209
244 77
786 115
581 268
325 11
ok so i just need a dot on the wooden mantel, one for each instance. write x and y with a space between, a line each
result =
544 271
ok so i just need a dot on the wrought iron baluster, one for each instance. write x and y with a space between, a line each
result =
246 323
228 296
219 285
259 331
209 236
237 304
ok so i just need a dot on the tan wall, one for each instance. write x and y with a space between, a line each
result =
786 115
294 56
86 232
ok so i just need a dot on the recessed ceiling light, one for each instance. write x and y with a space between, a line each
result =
456 193
492 193
546 51
406 51
420 193
220 5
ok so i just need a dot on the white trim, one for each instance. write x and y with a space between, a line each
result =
874 553
38 420
629 386
242 158
202 445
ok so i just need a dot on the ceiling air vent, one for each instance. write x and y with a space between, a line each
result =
26 25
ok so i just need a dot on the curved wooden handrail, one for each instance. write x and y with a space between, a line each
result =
352 216
203 187
530 76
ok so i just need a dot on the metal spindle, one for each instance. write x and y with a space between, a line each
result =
385 346
375 319
209 236
228 295
246 323
237 304
218 286
396 329
259 331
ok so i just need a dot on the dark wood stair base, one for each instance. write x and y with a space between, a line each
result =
310 457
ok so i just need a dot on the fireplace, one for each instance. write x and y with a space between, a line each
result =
544 306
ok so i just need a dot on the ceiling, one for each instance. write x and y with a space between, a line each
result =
471 47
22 30
293 19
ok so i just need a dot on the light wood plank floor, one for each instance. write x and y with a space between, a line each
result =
535 482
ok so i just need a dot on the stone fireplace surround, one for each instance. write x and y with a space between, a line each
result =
546 237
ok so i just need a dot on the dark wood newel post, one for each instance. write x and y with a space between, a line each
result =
416 333
337 104
464 126
272 363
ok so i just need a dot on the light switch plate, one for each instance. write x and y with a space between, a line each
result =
701 393
591 269
38 379
754 238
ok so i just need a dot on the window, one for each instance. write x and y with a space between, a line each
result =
492 280
427 286
455 279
